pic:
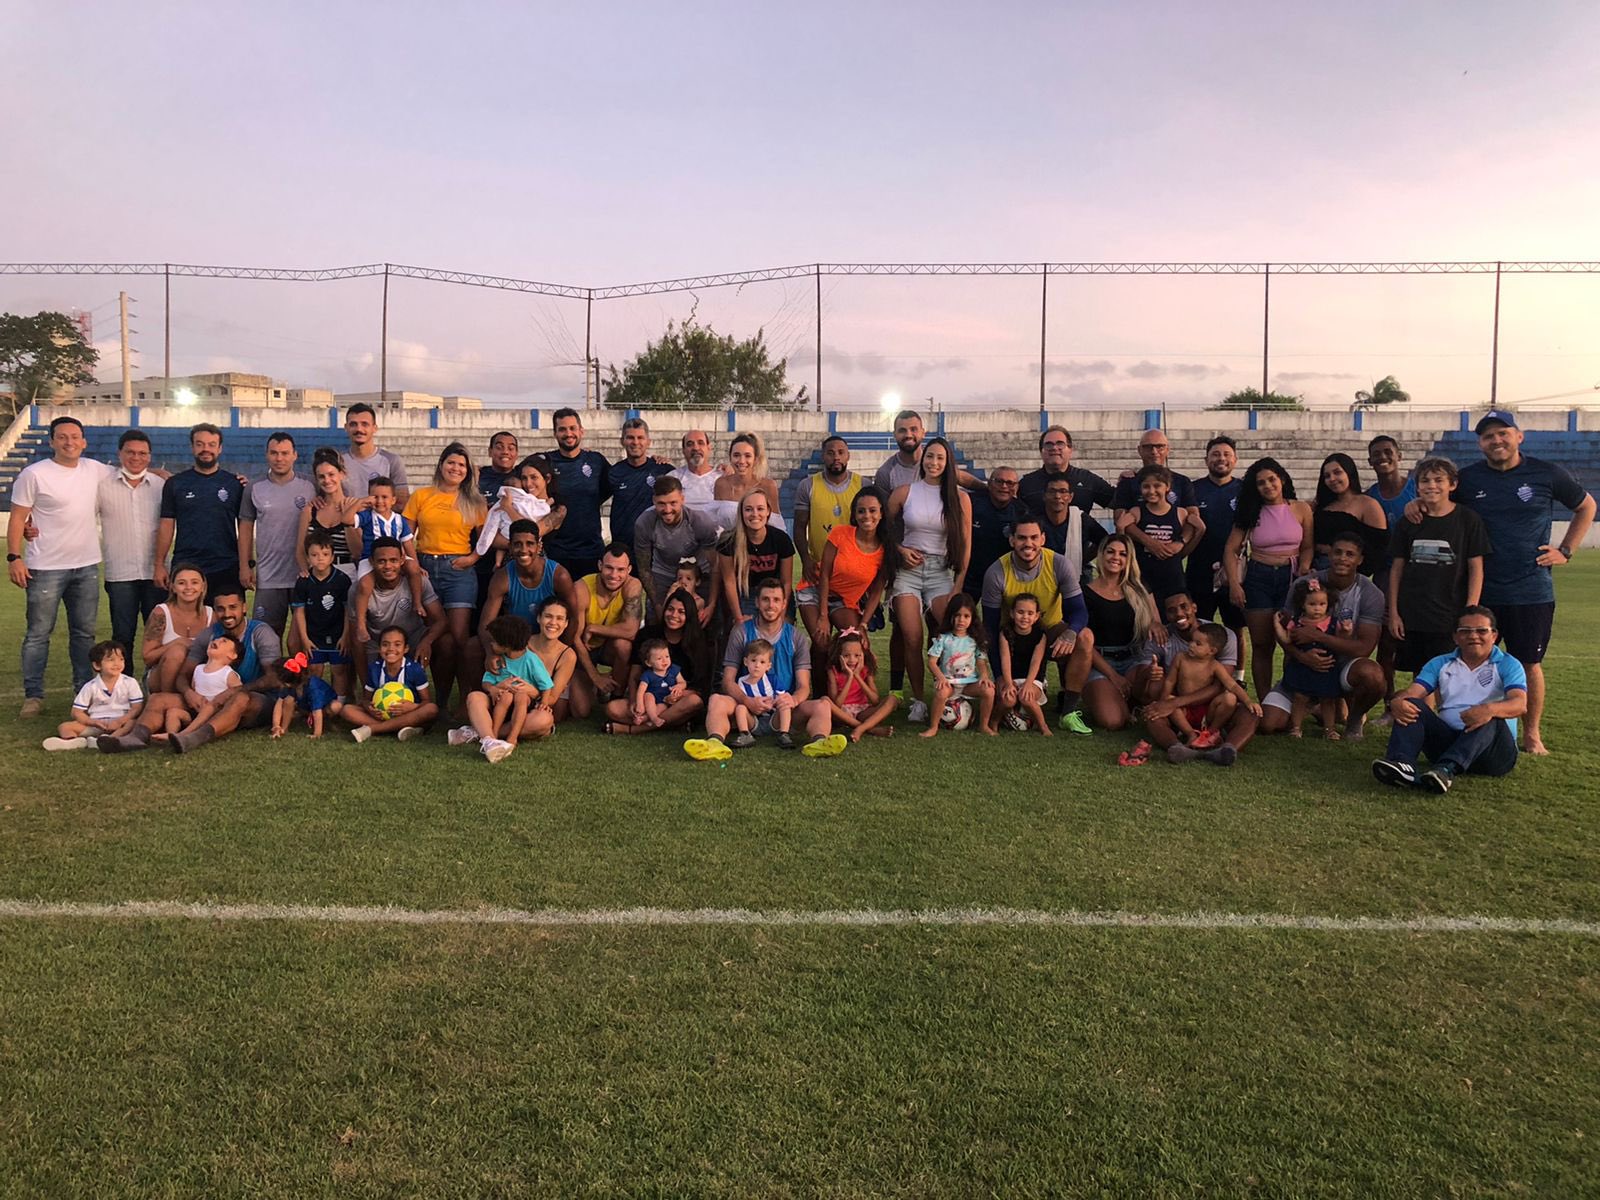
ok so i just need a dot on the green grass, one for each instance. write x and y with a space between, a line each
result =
179 1058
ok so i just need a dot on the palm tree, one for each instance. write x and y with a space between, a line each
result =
1386 391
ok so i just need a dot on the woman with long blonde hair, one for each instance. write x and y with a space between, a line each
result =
750 552
1122 617
744 472
445 516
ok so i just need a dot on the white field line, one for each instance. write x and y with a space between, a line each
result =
850 918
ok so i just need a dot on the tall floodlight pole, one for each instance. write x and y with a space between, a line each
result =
819 337
383 351
1266 324
1494 354
588 362
166 368
127 369
1044 315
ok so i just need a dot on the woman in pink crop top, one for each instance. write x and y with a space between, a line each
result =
1278 530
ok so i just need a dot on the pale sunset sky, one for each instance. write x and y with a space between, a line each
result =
601 144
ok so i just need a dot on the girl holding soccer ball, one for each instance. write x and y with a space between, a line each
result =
960 666
399 700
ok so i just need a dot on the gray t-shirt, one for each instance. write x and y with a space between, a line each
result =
359 470
263 638
1359 604
1177 644
1067 575
693 536
276 508
394 607
895 474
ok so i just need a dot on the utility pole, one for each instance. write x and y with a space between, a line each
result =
819 337
1494 355
383 353
127 367
1044 318
588 354
166 365
1266 324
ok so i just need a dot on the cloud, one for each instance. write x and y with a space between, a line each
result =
876 365
1312 376
1075 368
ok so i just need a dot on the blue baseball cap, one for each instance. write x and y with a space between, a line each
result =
1495 416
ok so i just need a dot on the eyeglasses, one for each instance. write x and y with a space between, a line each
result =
1474 630
1004 483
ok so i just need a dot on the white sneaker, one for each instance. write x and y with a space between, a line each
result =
918 714
496 750
462 735
409 732
61 743
361 733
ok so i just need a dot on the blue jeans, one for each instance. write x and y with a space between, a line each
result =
79 590
1490 749
132 601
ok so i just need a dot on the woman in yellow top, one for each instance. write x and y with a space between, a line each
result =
446 516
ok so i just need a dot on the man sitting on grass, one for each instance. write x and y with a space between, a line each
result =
1480 691
248 706
1225 732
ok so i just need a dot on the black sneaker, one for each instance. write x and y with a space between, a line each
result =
1396 774
785 742
744 741
1437 780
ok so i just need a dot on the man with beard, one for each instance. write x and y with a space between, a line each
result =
610 608
583 480
200 515
666 534
269 525
822 501
1065 524
1216 496
698 474
248 706
1053 580
1223 747
365 458
1055 457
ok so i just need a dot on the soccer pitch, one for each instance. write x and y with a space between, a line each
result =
998 966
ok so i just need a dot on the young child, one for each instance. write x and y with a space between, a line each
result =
519 681
1309 603
1022 667
656 681
755 684
960 665
210 680
1198 668
320 603
390 679
1437 569
853 690
303 689
688 578
381 520
107 706
1159 522
521 497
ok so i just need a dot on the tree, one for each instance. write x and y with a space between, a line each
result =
1386 391
693 366
41 353
1252 398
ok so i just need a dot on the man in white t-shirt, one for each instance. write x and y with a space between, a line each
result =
698 475
61 565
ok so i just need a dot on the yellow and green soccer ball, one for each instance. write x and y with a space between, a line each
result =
390 694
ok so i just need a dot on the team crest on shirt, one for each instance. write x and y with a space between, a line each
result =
1525 494
222 494
1233 505
327 601
649 481
587 469
300 501
1485 675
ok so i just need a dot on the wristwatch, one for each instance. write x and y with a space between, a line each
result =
1565 553
11 558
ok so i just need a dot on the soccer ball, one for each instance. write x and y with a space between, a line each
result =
957 715
1017 722
390 694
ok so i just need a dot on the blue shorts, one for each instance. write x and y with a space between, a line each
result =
457 589
333 657
1266 589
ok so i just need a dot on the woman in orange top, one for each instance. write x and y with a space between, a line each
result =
857 562
445 517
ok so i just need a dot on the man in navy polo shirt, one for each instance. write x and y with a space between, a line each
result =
1153 451
1516 497
1481 691
583 479
200 515
994 508
1216 495
633 481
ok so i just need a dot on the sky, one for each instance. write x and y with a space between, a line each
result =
610 143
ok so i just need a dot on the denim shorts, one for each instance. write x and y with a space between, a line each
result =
1121 659
1266 589
928 581
457 589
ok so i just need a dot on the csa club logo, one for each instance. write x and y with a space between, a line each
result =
587 469
222 494
300 502
1525 493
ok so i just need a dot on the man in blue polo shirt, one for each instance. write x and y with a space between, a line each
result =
583 480
200 515
1516 496
633 481
1480 691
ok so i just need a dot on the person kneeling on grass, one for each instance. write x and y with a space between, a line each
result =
960 665
303 689
1480 691
790 676
511 704
853 697
397 693
107 706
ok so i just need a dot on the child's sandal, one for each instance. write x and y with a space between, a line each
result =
1137 757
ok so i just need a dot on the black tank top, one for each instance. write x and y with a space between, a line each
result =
1327 524
1111 621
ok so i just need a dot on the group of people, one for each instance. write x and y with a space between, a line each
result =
357 601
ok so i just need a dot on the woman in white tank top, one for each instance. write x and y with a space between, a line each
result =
172 626
935 521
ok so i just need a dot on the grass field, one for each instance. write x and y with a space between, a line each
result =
156 1056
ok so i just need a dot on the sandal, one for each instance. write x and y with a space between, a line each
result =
1137 757
1206 739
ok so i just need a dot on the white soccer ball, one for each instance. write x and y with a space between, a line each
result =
1016 722
957 715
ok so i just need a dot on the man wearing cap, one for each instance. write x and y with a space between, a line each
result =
1516 495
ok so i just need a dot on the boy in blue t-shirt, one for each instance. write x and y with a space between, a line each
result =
398 698
520 679
320 603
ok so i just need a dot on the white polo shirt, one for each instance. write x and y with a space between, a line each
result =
63 500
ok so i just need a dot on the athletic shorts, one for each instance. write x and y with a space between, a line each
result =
1525 629
1195 714
320 656
1419 647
